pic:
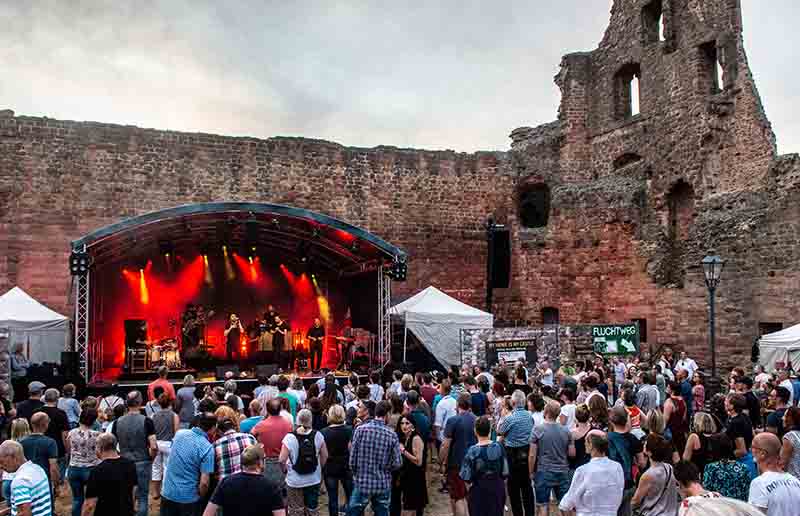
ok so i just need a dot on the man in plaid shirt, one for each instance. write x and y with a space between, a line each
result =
374 454
228 448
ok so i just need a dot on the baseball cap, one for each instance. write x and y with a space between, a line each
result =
36 387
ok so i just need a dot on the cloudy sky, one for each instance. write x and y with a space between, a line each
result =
454 74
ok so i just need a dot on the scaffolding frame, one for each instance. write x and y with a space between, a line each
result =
384 320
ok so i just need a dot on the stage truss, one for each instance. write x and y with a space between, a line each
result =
384 322
82 324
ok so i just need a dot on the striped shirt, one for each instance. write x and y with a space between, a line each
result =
516 428
30 485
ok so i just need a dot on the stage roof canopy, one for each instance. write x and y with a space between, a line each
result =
267 230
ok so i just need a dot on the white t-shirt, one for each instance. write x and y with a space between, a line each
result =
787 383
30 485
778 493
547 377
445 409
568 411
689 365
538 418
297 480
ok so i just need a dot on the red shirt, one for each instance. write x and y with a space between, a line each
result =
164 384
270 433
428 392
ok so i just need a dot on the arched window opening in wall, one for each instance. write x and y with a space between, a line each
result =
711 69
680 205
681 210
534 205
550 315
627 92
653 22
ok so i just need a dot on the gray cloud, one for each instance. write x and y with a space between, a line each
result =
447 74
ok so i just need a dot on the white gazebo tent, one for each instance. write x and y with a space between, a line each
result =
780 346
437 319
43 332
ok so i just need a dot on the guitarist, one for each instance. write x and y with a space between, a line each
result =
189 328
316 336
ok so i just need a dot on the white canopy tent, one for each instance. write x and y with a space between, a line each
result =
437 319
42 331
781 346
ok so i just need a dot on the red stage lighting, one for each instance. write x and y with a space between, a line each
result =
144 296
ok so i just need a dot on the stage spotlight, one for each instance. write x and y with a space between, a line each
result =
398 271
166 248
79 263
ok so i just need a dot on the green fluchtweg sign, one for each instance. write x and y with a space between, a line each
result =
616 339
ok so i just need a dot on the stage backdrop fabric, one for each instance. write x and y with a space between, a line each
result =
780 346
42 331
437 319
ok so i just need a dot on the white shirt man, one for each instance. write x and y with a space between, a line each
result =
445 409
774 492
687 364
596 488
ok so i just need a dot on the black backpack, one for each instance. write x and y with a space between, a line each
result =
306 462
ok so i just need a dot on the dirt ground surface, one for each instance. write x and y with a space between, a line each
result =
439 502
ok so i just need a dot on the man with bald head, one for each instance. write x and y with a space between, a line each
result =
774 492
109 491
40 449
30 488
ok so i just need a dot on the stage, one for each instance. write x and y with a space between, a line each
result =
247 284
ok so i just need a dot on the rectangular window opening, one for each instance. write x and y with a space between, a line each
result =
634 96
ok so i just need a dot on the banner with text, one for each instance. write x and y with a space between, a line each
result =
616 339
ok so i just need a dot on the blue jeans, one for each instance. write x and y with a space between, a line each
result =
359 501
77 477
144 471
332 485
545 482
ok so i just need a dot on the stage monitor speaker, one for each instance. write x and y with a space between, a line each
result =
135 330
501 266
69 364
223 369
266 370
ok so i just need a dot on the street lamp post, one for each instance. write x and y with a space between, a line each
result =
712 270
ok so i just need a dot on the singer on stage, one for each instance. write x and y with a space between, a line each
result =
316 336
279 342
233 335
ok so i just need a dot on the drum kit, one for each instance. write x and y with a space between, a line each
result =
165 352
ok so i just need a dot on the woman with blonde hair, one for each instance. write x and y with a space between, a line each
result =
696 450
337 470
303 479
226 412
19 429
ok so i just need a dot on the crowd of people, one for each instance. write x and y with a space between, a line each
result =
600 437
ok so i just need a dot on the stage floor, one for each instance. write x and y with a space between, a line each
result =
118 381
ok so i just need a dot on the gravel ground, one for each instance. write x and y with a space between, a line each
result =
439 502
